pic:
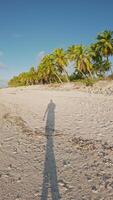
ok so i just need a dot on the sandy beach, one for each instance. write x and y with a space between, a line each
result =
68 155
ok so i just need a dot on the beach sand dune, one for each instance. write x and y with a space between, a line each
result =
55 145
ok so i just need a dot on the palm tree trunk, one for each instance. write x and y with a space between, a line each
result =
67 76
91 74
58 77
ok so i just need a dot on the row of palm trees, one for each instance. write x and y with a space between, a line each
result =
89 62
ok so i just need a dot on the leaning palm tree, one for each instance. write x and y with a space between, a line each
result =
60 61
80 55
83 61
72 52
47 71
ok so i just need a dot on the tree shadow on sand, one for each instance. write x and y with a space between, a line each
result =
50 172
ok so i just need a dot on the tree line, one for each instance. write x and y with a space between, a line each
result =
90 62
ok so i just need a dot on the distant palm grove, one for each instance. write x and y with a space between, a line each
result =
90 63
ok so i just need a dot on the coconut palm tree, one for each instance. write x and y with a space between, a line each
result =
100 65
96 58
83 61
47 71
82 58
105 43
72 52
60 61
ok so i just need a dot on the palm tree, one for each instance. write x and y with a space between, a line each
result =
82 58
72 52
47 72
96 58
105 43
100 65
60 61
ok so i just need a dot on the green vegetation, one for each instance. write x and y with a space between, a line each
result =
90 63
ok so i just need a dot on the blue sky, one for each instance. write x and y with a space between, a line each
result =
28 28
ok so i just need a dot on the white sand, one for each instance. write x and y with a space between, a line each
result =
78 169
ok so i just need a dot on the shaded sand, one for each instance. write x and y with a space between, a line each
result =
68 155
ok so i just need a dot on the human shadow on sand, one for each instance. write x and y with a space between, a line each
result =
50 182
